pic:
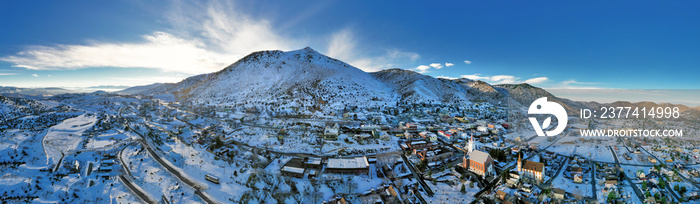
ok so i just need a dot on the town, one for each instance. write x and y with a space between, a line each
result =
163 151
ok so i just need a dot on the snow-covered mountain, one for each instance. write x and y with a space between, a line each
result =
302 78
296 78
524 94
418 88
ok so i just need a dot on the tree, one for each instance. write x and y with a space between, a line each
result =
675 187
647 194
611 197
463 190
662 184
434 181
683 190
644 184
505 175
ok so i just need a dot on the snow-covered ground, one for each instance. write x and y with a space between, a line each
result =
451 193
155 180
66 136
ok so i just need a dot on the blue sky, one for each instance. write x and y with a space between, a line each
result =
551 44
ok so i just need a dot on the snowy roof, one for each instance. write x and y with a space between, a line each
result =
479 156
293 169
348 163
418 142
533 166
313 160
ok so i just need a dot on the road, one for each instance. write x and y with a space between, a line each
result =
417 176
129 182
566 160
137 190
194 184
593 183
637 191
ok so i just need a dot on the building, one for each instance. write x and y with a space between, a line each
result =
312 162
559 193
331 133
501 195
356 165
578 178
292 171
640 174
470 145
445 136
479 162
530 169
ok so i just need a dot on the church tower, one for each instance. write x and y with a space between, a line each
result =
520 163
470 146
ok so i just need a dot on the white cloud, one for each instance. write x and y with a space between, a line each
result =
505 79
35 75
572 81
536 80
422 69
436 65
7 74
344 46
204 37
467 62
446 77
449 64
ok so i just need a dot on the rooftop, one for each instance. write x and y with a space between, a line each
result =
348 163
293 169
479 156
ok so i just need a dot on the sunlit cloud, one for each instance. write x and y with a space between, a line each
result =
505 79
436 65
422 69
344 46
449 64
205 37
7 74
536 80
35 75
467 62
572 81
446 77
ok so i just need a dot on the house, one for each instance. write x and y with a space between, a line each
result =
501 195
356 165
559 193
574 170
610 182
482 129
667 172
530 169
578 178
331 133
640 174
384 136
480 163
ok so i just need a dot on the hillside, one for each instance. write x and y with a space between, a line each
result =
524 94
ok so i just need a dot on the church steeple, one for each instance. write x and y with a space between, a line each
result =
520 162
470 146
